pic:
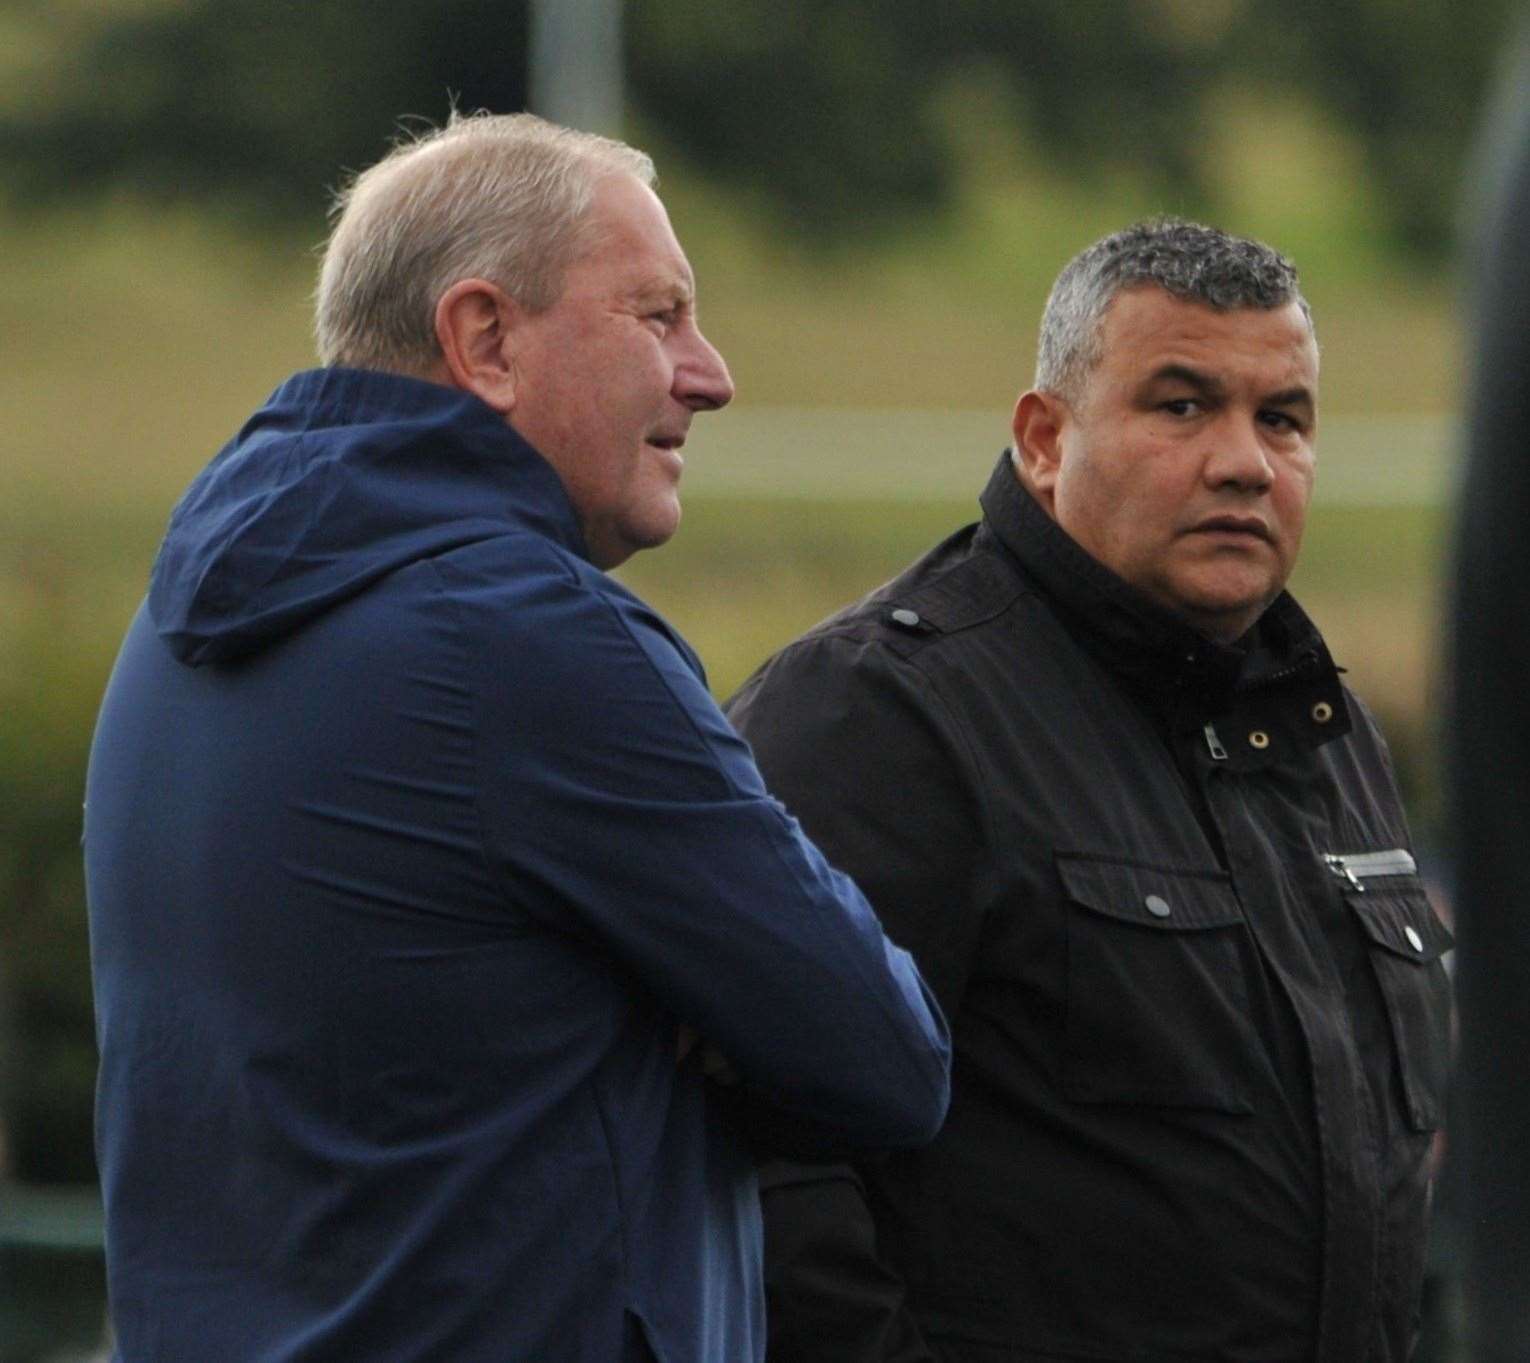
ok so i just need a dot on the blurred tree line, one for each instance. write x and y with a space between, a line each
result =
825 113
824 109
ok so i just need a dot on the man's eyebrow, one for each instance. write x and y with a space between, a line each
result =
1198 379
676 290
1299 396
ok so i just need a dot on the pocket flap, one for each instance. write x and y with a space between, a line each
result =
1402 922
1173 901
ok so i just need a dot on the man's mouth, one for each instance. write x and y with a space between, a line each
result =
1233 525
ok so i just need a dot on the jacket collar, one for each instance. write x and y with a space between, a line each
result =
1181 670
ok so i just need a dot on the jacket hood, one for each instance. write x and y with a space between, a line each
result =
342 477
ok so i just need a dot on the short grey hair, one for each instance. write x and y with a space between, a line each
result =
501 197
1194 263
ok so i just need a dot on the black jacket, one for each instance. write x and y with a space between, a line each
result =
1163 891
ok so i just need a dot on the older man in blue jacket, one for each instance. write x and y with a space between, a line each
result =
418 854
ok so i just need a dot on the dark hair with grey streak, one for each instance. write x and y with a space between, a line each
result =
502 197
1194 263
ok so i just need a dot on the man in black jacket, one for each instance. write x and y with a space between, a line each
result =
1097 771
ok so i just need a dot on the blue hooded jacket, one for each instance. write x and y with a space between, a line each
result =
413 842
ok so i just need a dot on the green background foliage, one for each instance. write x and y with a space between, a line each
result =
828 112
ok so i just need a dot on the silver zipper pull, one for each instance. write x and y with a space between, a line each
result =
1340 867
1214 745
1354 867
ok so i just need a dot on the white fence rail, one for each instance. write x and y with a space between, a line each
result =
893 453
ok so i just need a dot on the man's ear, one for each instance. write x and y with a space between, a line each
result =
474 321
1038 427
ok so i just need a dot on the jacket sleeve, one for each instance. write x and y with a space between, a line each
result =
621 807
828 1294
857 744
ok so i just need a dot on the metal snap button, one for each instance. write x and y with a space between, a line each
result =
1157 905
1322 712
1414 940
1259 739
905 617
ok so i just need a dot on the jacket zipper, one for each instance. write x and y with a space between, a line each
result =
1214 745
1289 672
1351 867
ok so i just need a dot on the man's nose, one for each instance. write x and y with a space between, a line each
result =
702 380
1239 457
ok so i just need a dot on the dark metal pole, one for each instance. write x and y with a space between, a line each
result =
1488 742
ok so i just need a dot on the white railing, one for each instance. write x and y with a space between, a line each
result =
915 454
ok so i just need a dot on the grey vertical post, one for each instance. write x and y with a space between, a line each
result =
576 63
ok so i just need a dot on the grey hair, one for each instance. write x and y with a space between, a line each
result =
1194 263
501 197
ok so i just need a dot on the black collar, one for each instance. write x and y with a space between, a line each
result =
1159 653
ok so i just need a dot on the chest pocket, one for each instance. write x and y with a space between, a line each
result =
1157 1004
1406 943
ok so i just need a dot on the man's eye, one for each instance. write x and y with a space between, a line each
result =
665 317
1280 421
1180 406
